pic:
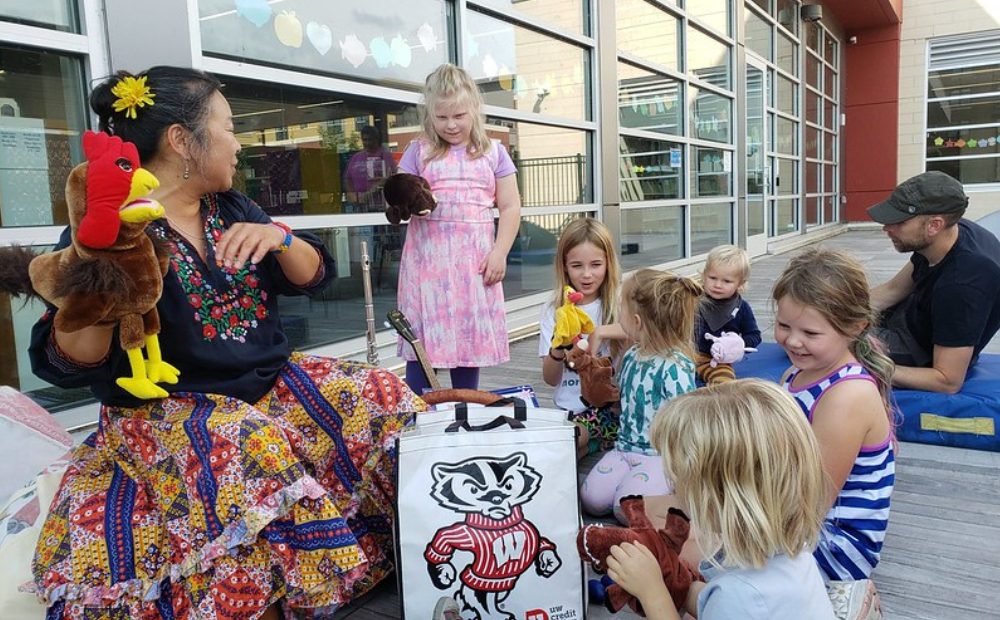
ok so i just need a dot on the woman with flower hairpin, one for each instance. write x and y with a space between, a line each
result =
263 481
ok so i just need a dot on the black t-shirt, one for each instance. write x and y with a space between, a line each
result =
956 303
219 328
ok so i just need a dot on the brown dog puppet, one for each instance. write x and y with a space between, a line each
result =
407 195
594 543
597 383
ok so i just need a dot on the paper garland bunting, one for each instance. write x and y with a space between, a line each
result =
972 143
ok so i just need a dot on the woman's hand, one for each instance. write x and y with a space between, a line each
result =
493 267
634 568
245 241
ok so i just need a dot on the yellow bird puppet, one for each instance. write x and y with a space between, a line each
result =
571 321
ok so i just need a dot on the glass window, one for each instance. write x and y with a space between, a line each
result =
573 16
649 101
813 208
42 118
788 59
830 49
812 177
813 71
553 163
813 32
830 118
812 142
711 174
55 14
786 132
758 35
708 58
522 69
710 115
787 14
711 225
650 169
357 38
785 220
651 235
786 177
786 95
529 264
713 13
763 4
647 32
813 107
829 146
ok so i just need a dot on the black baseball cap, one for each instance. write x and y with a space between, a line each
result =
929 193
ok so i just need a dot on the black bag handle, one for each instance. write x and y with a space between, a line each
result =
517 422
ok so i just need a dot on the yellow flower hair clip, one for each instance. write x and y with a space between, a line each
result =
132 93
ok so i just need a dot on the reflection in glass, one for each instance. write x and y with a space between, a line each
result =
710 115
756 150
651 235
813 208
785 219
813 106
650 169
711 225
356 38
829 114
42 118
786 95
758 34
505 59
710 174
58 15
708 58
787 14
786 179
531 259
829 146
787 56
787 134
813 136
649 101
572 16
812 178
553 163
713 13
647 32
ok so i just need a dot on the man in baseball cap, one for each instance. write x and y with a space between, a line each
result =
943 307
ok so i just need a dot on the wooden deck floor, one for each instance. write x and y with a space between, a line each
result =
941 559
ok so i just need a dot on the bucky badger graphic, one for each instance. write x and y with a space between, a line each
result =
489 492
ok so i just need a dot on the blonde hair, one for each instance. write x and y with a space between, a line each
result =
747 467
729 257
667 304
589 230
835 285
451 85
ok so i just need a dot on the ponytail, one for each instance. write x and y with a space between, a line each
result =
870 353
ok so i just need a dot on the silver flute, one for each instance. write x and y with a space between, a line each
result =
366 277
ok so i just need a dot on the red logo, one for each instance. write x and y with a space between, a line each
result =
536 614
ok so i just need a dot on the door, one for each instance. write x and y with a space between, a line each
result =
757 163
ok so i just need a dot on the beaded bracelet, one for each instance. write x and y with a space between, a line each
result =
287 243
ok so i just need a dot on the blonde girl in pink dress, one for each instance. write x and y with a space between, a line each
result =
452 265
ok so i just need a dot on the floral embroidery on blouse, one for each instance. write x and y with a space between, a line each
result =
223 312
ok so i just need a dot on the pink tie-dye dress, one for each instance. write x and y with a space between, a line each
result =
460 321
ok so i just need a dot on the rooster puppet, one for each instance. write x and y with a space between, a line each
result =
111 273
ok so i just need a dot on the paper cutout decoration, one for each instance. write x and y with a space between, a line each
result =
950 143
960 143
257 12
938 141
490 67
353 50
402 55
971 144
428 40
991 141
381 52
289 29
982 142
320 37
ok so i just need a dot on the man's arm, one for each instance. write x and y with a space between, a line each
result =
947 375
894 291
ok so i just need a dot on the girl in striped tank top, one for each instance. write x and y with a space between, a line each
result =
841 380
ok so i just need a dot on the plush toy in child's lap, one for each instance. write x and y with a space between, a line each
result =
111 273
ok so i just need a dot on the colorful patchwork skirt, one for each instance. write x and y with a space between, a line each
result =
205 507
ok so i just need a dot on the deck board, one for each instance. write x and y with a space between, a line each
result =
941 559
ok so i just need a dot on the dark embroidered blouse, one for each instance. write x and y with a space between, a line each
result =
219 327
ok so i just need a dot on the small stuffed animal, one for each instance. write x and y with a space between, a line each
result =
407 195
111 273
594 543
728 348
597 383
571 321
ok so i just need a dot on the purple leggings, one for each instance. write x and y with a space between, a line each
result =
619 474
461 378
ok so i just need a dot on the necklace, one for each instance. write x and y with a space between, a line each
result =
198 241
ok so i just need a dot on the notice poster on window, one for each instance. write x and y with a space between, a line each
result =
25 199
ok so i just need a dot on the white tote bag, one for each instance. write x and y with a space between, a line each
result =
488 512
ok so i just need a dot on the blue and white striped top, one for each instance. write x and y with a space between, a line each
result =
854 529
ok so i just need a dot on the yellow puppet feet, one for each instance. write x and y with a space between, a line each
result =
138 384
157 370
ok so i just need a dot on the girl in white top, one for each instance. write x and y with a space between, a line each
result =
586 260
747 468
